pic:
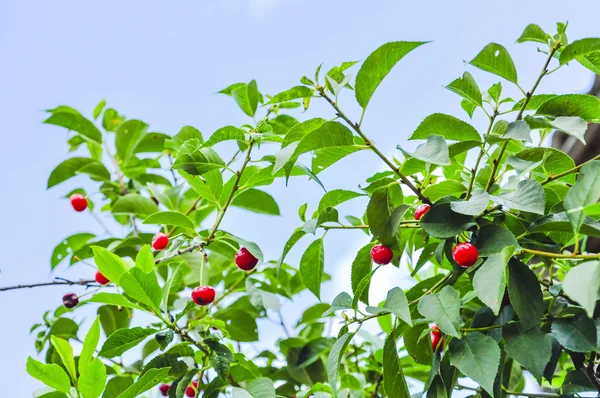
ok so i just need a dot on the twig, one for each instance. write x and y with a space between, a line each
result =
171 168
369 143
282 323
101 223
57 282
480 156
560 255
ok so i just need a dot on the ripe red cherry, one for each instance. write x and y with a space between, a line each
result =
70 300
203 295
101 279
160 241
79 202
436 337
382 254
421 210
191 391
465 254
245 260
164 389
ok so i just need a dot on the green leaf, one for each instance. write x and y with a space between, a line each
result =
528 196
395 383
361 267
336 197
494 238
553 161
476 204
466 87
114 299
111 119
116 386
142 287
585 106
225 134
490 279
335 358
172 283
260 388
123 340
298 131
209 185
128 136
534 102
109 264
434 151
377 66
532 349
441 222
579 48
296 236
449 127
585 192
494 58
444 188
113 318
518 130
417 342
247 97
144 259
241 325
174 218
576 334
443 308
135 204
251 246
68 246
185 134
256 201
98 109
384 219
477 356
525 294
291 94
76 122
65 351
89 344
534 33
52 375
92 379
195 160
362 290
150 379
311 267
582 284
397 304
74 166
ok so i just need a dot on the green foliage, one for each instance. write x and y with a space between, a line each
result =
528 304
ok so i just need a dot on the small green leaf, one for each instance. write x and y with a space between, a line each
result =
449 127
525 294
444 188
361 267
585 192
113 299
576 334
528 196
477 356
579 48
336 197
195 160
89 344
397 304
225 134
441 222
256 201
377 66
335 358
585 106
172 283
76 122
135 204
582 284
68 246
443 309
293 93
296 236
123 340
98 109
466 87
534 33
65 351
109 264
209 185
490 279
170 218
395 383
142 287
92 379
241 325
128 136
311 267
251 246
494 58
145 382
52 375
74 166
434 151
494 238
384 219
144 259
476 204
531 349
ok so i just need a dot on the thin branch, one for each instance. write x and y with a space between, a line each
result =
480 156
101 223
282 323
570 171
560 255
356 127
56 282
171 168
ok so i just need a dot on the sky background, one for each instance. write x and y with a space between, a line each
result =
163 62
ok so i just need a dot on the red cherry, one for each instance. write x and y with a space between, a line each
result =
160 241
79 202
245 260
436 337
421 210
164 389
70 300
191 391
465 254
382 254
203 295
101 279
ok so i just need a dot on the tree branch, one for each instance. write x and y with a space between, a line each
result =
56 282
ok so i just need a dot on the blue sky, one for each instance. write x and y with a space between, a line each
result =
162 62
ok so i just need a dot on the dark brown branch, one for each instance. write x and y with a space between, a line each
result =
56 282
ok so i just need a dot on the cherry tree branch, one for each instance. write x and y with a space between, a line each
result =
56 282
